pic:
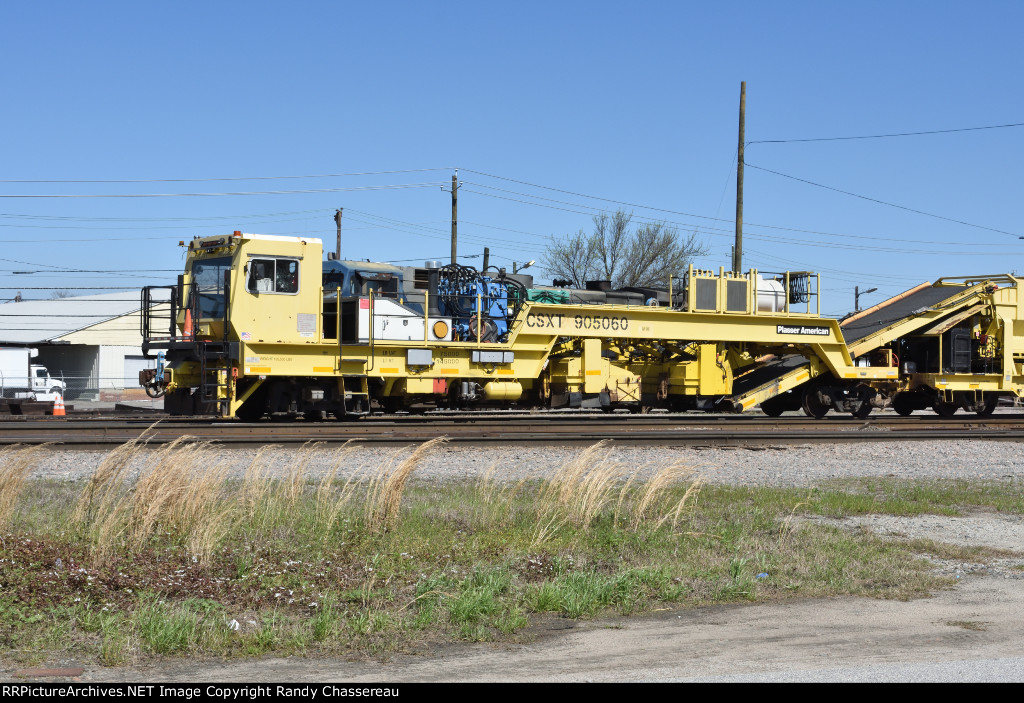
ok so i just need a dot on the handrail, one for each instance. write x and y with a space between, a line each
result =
372 359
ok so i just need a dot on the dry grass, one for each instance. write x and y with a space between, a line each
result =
330 503
102 490
179 492
689 496
256 485
583 488
182 493
656 488
290 491
16 463
161 492
386 488
580 488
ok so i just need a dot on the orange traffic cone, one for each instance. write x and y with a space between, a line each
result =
188 324
58 406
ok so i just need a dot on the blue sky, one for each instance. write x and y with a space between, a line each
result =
634 103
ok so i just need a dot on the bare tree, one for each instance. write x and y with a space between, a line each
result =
61 293
645 257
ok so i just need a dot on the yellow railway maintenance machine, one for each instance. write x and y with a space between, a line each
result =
260 324
957 344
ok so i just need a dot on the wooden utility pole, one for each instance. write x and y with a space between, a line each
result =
737 252
455 215
337 221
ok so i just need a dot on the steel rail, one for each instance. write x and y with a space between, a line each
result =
665 430
477 419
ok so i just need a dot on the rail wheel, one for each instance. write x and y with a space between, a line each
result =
814 406
254 408
862 412
773 407
944 409
991 401
903 404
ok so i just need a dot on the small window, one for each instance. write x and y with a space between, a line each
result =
273 276
287 276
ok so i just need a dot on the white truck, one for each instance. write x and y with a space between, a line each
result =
20 378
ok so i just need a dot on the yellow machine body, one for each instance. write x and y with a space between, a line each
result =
265 324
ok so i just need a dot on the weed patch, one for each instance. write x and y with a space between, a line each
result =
167 552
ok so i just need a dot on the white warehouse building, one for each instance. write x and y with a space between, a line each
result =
92 342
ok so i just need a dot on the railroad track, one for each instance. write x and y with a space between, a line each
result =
677 430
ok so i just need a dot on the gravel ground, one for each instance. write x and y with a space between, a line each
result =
799 465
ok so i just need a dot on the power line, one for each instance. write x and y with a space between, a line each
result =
881 202
237 178
165 219
118 288
720 232
578 195
209 195
708 228
424 231
886 136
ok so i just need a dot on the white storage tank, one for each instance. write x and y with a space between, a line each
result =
771 295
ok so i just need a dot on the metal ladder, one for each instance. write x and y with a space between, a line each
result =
355 399
213 373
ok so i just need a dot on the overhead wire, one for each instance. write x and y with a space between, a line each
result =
880 202
397 186
235 178
721 232
885 136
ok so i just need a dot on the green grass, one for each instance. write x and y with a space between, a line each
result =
304 566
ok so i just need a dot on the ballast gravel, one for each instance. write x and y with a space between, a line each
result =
799 465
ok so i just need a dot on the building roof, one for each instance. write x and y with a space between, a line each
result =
47 321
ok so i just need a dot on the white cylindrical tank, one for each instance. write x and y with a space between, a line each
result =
771 295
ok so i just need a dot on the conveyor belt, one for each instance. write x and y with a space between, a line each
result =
895 309
767 381
767 374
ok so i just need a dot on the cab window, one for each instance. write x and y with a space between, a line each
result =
273 276
208 283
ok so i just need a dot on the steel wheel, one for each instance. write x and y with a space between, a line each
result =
813 404
944 409
863 411
773 407
903 404
991 402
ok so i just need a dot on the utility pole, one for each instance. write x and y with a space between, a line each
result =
737 252
337 220
455 215
857 293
